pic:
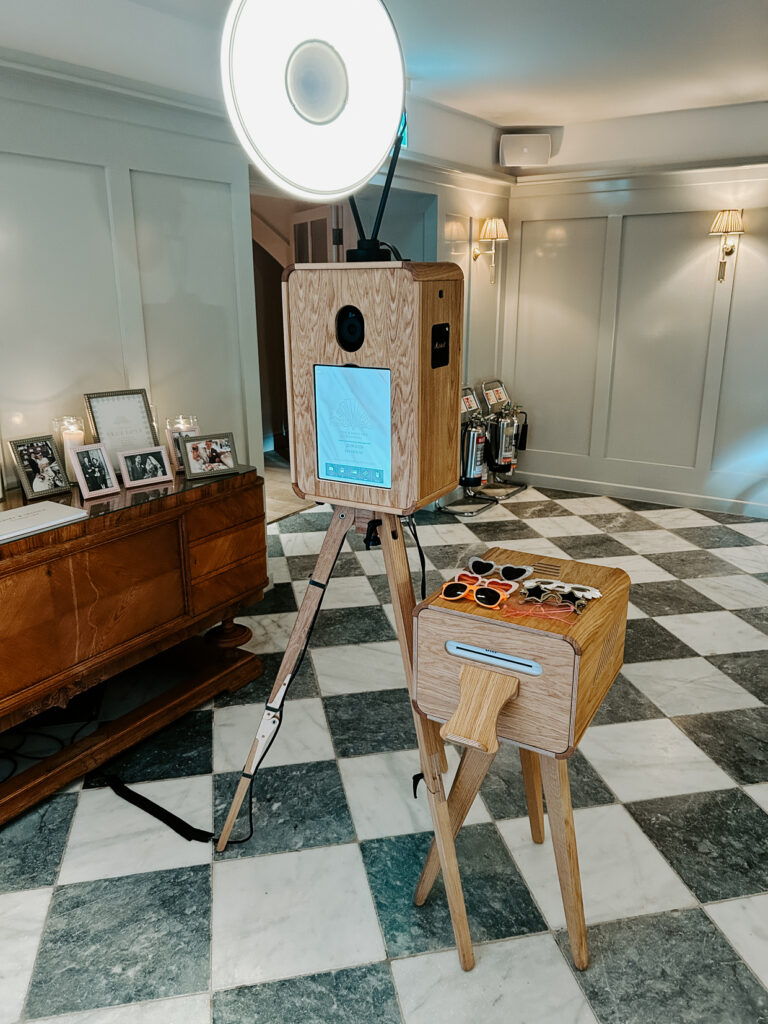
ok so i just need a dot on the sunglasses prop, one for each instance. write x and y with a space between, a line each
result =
469 587
507 572
558 592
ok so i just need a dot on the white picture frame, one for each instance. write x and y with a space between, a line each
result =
145 466
95 473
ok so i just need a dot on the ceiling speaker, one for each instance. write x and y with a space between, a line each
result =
531 150
315 91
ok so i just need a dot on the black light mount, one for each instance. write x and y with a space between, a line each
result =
371 250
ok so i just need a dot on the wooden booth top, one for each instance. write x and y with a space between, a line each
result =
579 630
418 271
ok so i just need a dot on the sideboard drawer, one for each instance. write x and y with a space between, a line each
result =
238 507
225 587
224 549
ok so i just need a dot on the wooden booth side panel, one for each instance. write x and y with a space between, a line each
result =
389 301
68 611
539 717
441 302
602 658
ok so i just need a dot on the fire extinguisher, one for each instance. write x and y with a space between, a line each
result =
473 438
507 435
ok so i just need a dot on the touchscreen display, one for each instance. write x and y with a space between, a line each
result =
353 423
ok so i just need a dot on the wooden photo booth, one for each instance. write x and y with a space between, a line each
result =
405 321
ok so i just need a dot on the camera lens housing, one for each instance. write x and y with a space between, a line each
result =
350 328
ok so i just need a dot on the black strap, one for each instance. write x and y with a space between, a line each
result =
183 828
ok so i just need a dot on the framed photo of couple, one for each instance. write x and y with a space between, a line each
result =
207 455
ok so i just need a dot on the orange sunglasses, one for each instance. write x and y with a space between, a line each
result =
487 593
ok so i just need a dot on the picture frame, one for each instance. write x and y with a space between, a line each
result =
145 466
121 420
174 445
197 454
40 467
94 471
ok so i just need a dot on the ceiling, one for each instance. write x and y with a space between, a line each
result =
524 63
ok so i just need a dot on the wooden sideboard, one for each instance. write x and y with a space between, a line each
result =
143 576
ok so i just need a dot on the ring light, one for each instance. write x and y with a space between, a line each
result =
314 90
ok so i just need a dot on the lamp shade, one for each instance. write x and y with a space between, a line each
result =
315 91
728 222
493 229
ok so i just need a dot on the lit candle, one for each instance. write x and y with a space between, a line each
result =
72 436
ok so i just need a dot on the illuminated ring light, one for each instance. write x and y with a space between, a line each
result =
315 91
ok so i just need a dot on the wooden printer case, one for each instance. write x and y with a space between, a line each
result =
580 655
401 302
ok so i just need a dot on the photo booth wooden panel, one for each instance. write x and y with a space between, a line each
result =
400 303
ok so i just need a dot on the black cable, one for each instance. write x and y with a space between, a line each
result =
412 527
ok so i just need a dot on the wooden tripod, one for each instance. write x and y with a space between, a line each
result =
431 748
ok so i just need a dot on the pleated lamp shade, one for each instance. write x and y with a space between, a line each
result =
728 222
494 230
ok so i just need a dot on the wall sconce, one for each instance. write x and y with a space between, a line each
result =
726 223
493 230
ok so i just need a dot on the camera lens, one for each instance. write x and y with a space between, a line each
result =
350 328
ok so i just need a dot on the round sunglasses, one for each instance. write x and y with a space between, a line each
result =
487 593
507 572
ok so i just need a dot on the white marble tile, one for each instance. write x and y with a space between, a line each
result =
305 543
757 531
633 612
752 559
389 611
740 591
110 837
292 913
272 529
342 592
651 542
184 1010
379 790
529 494
303 736
745 924
313 509
642 760
561 526
677 518
528 546
622 872
591 506
372 561
494 514
22 916
516 981
271 633
446 533
759 794
688 686
714 632
277 569
357 668
638 568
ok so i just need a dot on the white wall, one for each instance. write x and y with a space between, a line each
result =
642 376
125 259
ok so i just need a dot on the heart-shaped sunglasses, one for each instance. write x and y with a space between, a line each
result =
507 572
470 587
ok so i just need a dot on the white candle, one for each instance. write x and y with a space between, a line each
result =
71 437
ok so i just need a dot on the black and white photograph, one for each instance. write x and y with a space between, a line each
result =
208 455
146 465
39 466
94 472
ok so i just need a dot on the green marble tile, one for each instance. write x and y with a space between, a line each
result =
357 995
295 806
279 598
716 842
303 685
32 845
646 640
181 749
670 597
736 740
305 522
625 703
673 968
123 940
747 668
369 723
358 625
497 900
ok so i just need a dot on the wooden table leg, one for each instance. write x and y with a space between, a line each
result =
533 798
554 774
472 769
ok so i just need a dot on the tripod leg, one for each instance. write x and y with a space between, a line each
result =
472 770
343 518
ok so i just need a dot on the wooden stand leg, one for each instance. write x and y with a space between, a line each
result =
431 749
334 538
472 770
554 774
533 798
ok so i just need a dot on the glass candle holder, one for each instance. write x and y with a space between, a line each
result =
175 427
181 421
68 433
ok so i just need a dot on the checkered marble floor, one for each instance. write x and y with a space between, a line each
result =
109 918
